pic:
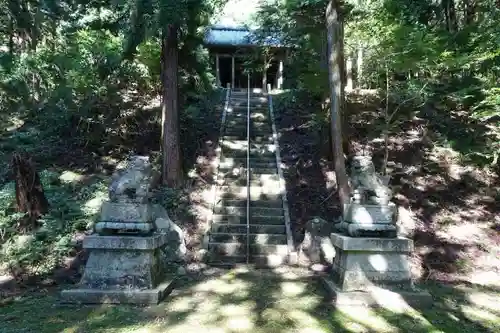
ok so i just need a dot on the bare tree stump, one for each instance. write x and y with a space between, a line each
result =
30 197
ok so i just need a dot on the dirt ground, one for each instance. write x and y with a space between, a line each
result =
451 209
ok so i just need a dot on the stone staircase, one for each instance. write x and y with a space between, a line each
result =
248 224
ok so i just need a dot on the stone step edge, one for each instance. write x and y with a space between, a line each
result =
253 207
221 216
243 234
244 244
256 261
244 225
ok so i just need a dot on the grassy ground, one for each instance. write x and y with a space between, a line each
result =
258 301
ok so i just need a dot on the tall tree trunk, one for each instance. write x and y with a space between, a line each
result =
470 11
30 197
335 66
450 14
11 36
171 163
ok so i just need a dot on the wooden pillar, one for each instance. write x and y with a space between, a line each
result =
264 75
279 75
349 85
232 71
359 64
217 69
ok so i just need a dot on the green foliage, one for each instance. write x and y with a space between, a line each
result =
443 55
74 79
301 25
70 211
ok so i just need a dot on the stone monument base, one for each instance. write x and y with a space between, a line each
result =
367 271
377 296
122 269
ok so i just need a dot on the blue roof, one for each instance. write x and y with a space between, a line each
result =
238 36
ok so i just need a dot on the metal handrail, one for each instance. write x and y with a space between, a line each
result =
248 168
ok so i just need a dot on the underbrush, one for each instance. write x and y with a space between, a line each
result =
74 205
75 174
448 201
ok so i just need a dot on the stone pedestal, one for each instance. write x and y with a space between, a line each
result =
126 216
122 269
366 267
362 220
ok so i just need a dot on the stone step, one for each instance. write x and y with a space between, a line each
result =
258 172
242 228
264 162
261 176
242 133
235 145
244 99
240 123
225 195
253 238
253 108
220 218
253 105
257 119
259 179
266 139
255 192
237 115
254 211
242 128
259 261
242 181
231 153
278 203
242 144
232 249
256 113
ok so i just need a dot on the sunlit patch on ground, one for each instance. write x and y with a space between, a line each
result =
243 300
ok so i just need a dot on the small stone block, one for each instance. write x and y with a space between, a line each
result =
377 296
118 296
369 214
364 280
346 243
140 227
124 242
293 258
126 212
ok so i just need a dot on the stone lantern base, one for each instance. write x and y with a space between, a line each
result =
122 269
372 271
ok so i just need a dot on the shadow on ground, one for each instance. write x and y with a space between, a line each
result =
453 204
239 300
